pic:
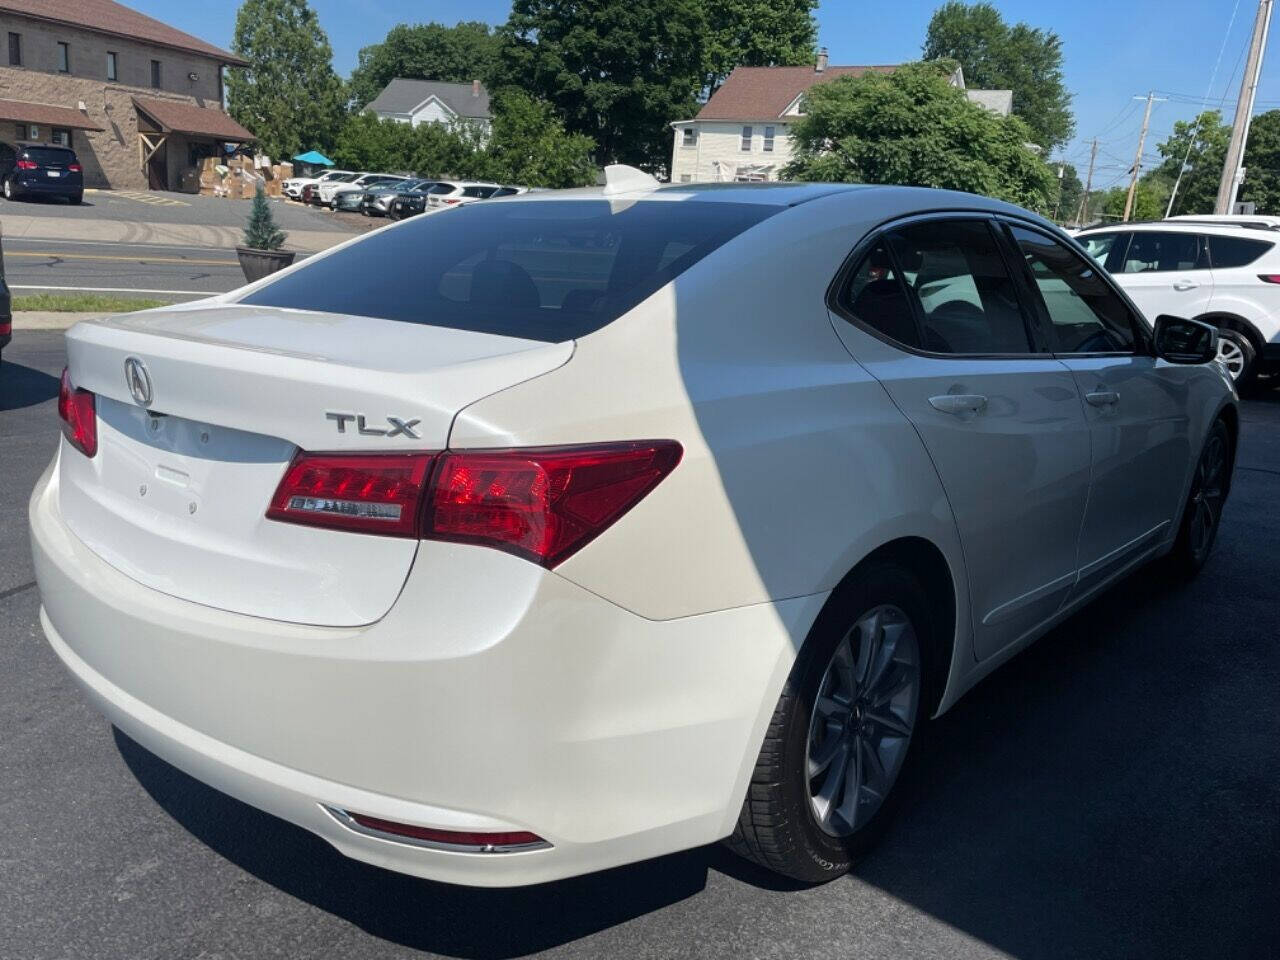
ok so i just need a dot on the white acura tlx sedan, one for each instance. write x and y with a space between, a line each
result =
557 532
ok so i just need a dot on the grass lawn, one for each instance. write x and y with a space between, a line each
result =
83 303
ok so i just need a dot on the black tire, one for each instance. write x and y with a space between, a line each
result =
76 199
1192 548
778 827
1248 374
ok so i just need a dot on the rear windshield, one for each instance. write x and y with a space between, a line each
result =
443 188
50 155
546 270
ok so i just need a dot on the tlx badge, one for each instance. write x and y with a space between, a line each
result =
398 428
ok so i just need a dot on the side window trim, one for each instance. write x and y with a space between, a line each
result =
1141 338
837 301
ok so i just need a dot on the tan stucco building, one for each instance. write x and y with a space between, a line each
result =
139 101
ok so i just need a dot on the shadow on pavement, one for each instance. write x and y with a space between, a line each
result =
22 386
455 921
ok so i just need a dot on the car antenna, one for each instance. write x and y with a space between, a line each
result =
620 178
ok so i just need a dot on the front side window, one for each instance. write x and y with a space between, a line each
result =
957 282
746 139
64 57
689 137
155 74
1085 314
1163 252
111 66
768 139
549 270
1228 252
15 49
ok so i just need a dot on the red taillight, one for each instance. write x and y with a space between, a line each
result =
1269 277
451 200
79 418
546 504
377 493
455 838
542 504
27 165
6 328
74 168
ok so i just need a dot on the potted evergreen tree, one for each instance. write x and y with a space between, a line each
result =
261 254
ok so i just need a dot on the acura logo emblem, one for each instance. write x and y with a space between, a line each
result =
138 380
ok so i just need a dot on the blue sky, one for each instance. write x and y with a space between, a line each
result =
1113 50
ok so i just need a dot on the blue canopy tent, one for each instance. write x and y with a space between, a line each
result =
314 158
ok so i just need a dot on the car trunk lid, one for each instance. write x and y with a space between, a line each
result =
177 494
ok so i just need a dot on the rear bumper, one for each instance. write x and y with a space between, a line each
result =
495 696
61 187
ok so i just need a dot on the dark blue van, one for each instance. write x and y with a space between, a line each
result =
40 170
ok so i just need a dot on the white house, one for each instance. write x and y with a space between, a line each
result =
433 101
743 132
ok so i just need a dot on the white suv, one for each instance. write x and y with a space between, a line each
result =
1221 273
293 186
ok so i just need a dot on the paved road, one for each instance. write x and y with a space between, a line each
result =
1114 792
160 207
166 272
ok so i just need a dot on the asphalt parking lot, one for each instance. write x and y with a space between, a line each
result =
1113 792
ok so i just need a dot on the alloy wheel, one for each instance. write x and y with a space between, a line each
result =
862 720
1207 494
1231 356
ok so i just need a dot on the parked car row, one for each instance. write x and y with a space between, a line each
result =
1224 271
390 195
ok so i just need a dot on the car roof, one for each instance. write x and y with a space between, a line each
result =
1177 226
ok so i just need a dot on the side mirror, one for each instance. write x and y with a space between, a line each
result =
1185 341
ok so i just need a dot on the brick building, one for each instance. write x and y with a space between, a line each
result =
139 101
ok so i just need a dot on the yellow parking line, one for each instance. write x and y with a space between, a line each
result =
151 198
10 254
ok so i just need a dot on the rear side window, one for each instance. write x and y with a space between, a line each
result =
1164 252
1099 246
543 270
878 298
479 193
1235 251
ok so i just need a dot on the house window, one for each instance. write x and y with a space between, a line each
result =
746 139
15 49
60 136
20 131
111 66
64 57
768 139
690 136
155 74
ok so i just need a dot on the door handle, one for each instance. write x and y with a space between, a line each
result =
1185 285
1103 398
959 404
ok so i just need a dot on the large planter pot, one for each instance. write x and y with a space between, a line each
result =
257 264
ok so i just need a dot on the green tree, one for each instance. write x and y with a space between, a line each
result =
1202 143
1262 163
367 142
425 51
529 145
615 72
996 56
288 96
1070 192
261 232
757 33
912 127
1149 200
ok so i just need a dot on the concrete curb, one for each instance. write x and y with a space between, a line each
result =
50 320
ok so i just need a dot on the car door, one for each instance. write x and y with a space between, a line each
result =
1136 406
1166 272
1000 416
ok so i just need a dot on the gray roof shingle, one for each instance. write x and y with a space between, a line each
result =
402 95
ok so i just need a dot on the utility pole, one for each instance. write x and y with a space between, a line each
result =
1232 169
1088 185
1137 160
